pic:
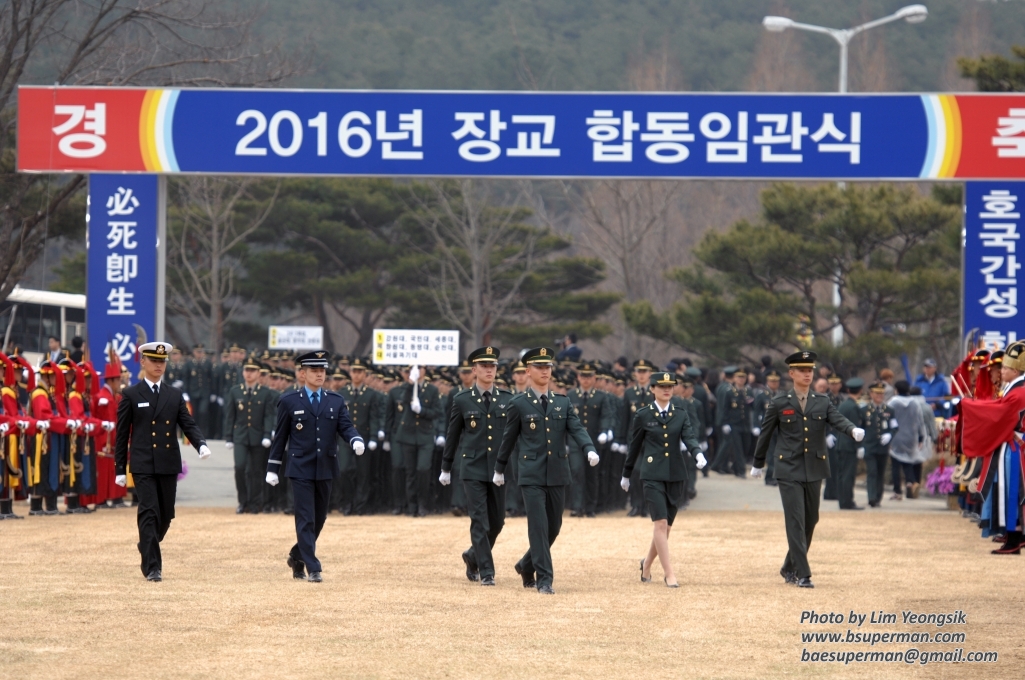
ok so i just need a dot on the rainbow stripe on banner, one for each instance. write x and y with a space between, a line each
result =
156 139
944 150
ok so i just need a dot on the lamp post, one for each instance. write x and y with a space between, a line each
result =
913 14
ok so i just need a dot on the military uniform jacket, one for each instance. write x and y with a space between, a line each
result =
595 411
800 452
364 410
634 399
656 441
249 415
850 410
475 433
407 427
198 379
877 421
696 411
228 376
310 435
541 435
147 430
732 409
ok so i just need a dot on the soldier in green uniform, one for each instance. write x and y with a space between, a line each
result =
597 415
695 413
475 429
835 396
198 384
466 381
416 405
175 373
660 437
367 417
730 421
249 418
761 405
538 424
847 448
513 497
800 417
880 423
635 398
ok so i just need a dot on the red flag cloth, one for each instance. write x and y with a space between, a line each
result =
984 385
988 424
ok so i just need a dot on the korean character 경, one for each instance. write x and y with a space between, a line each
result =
776 133
603 128
717 126
829 129
87 144
669 130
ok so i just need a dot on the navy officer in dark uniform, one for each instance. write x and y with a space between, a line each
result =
310 420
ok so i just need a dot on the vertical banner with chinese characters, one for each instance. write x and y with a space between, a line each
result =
122 265
992 232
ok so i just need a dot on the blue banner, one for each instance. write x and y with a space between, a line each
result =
121 288
991 266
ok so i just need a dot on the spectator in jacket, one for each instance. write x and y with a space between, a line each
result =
934 387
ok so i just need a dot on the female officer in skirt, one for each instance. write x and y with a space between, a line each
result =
662 437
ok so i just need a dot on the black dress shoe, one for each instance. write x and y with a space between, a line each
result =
396 511
771 482
545 590
240 509
471 568
1007 549
315 577
788 576
528 578
575 513
487 581
633 512
421 512
805 582
154 576
852 507
298 568
590 515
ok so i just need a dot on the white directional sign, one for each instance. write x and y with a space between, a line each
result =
420 347
295 337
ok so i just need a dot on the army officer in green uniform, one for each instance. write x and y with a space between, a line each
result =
537 425
880 424
475 427
249 417
660 437
800 418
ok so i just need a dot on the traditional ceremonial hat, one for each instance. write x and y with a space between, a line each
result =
1014 356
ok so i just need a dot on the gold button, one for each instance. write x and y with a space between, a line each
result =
667 454
650 459
489 436
155 446
168 422
805 439
805 429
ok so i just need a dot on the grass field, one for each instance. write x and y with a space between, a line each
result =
396 604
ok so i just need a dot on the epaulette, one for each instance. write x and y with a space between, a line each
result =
502 390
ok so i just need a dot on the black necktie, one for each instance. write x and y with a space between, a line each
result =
156 389
544 402
487 400
316 399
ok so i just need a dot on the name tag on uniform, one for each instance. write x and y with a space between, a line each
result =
144 404
788 412
298 413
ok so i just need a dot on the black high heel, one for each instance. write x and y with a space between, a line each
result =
644 580
675 585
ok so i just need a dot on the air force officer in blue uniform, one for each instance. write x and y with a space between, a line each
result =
310 421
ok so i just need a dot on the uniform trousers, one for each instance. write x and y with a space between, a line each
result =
155 494
364 478
544 506
584 491
730 456
459 499
311 501
801 514
513 497
344 487
847 468
485 503
830 493
416 459
876 466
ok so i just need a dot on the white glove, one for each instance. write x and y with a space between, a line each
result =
121 480
358 447
220 401
22 425
683 446
177 384
756 431
708 432
415 405
372 445
861 453
272 478
43 425
213 398
185 396
265 443
229 445
625 483
704 446
830 441
592 458
609 436
386 446
89 427
103 401
108 426
885 439
858 434
700 461
726 429
445 478
439 440
498 479
757 472
380 435
3 428
204 452
414 375
602 438
71 424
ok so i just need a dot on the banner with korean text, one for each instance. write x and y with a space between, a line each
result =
405 347
992 233
121 288
522 134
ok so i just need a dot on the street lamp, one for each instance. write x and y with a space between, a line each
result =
913 14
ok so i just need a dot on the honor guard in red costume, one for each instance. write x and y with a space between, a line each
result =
15 426
47 448
105 401
76 467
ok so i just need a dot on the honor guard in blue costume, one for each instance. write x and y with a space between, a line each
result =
310 421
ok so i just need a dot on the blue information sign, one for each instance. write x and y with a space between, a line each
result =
122 264
992 232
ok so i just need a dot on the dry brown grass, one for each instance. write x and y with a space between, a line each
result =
395 602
